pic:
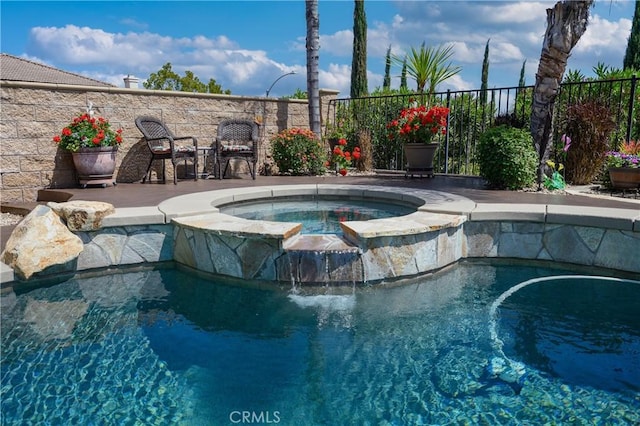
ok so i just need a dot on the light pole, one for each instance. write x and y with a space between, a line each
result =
278 79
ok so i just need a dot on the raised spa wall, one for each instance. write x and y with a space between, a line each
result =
444 229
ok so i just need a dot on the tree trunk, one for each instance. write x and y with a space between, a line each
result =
313 49
566 22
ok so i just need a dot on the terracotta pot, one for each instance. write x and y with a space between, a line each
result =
419 158
624 177
95 166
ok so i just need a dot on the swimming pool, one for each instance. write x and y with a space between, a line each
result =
319 216
166 347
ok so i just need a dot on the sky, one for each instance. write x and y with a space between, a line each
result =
246 45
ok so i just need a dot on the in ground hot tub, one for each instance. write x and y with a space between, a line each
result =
318 215
398 246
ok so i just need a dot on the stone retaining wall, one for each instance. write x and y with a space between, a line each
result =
582 245
148 244
190 230
31 114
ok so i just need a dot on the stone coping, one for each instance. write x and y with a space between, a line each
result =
425 200
437 204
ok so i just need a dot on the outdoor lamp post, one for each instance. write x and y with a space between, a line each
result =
278 79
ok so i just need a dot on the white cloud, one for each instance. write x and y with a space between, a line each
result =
130 22
515 29
337 44
143 53
510 13
602 36
337 77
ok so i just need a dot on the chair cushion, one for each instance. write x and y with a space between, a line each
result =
237 148
160 149
182 148
166 150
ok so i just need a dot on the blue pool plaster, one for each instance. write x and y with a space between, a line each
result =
445 228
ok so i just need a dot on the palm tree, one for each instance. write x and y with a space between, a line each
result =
313 57
429 65
566 23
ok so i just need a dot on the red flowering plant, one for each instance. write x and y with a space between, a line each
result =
86 131
418 124
341 159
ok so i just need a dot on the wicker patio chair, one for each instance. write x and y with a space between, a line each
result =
162 144
237 139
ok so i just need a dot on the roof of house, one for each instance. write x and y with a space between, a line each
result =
13 68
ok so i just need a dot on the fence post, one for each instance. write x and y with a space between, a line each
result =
446 136
631 107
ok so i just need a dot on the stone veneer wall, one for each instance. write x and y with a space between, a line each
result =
126 245
581 245
31 114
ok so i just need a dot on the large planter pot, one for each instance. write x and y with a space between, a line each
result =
419 158
624 177
95 166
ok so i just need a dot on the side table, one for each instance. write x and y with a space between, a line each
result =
206 153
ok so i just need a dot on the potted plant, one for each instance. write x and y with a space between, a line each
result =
93 145
415 128
623 166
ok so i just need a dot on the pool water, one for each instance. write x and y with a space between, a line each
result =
164 347
317 216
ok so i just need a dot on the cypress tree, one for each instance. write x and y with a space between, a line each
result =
485 75
359 60
386 83
521 82
632 54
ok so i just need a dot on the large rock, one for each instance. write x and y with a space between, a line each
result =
41 240
83 215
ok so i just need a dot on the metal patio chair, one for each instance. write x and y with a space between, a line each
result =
162 144
237 139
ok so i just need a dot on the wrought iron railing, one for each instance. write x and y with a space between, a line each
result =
473 111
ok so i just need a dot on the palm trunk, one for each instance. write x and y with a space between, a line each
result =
566 22
313 49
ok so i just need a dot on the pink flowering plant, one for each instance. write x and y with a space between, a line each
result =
298 151
627 156
86 131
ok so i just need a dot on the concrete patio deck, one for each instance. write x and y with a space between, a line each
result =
152 194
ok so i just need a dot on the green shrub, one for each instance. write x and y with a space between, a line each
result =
507 158
298 152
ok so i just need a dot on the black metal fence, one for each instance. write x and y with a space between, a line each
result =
474 111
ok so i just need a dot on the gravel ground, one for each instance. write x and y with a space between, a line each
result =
9 219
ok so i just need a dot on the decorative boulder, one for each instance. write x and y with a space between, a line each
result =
41 240
82 215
